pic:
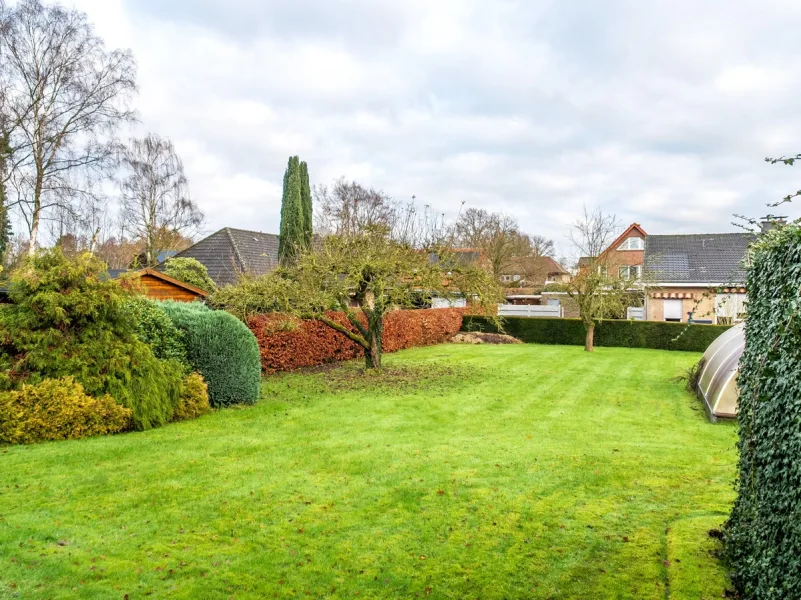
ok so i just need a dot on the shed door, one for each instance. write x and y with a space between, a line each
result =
672 310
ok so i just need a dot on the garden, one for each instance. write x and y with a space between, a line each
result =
458 472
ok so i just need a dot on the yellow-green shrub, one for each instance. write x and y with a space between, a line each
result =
58 409
194 399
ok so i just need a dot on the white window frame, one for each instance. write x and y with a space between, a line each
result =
632 243
625 272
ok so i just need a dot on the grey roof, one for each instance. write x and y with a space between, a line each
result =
229 252
716 258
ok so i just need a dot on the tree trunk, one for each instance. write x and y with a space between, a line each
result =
375 334
372 355
589 341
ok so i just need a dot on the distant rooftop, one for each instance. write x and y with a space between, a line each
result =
716 258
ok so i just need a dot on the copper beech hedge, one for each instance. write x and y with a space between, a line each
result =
287 343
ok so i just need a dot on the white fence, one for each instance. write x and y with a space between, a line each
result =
526 310
636 313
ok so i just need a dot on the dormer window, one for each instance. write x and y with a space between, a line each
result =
632 243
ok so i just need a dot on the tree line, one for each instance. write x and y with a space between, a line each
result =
65 100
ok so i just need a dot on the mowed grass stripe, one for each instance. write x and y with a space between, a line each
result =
463 472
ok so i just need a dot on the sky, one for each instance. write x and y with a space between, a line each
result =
660 112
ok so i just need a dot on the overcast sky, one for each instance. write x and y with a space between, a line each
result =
660 111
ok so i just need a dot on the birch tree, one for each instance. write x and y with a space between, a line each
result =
67 95
155 198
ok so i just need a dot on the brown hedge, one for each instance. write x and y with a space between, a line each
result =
286 343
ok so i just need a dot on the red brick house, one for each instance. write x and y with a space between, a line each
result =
624 257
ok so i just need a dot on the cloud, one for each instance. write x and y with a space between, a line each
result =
661 112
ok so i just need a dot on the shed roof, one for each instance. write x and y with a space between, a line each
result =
229 252
704 258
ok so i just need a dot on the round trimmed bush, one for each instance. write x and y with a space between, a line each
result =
157 330
222 349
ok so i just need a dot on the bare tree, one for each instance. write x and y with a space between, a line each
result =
592 233
598 290
67 95
498 236
155 195
348 208
541 246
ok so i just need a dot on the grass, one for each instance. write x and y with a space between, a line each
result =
463 472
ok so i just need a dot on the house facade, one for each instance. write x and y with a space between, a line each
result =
624 257
698 277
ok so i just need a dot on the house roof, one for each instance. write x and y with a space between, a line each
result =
705 258
229 252
633 228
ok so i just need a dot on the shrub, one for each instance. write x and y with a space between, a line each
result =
625 334
191 271
194 400
222 349
156 329
286 343
58 409
763 534
68 319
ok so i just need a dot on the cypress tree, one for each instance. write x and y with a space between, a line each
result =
292 219
306 203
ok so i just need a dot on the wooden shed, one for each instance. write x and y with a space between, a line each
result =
159 286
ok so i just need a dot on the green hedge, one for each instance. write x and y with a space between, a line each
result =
156 329
763 534
624 334
67 319
222 349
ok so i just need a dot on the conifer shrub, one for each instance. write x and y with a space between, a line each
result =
191 271
194 399
156 329
222 349
58 409
763 534
68 319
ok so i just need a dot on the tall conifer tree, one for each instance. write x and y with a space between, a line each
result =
306 204
291 238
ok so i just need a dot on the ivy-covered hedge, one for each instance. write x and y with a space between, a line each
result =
763 535
222 349
624 334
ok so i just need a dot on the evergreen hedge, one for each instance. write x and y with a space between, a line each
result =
157 330
623 334
222 349
763 534
68 320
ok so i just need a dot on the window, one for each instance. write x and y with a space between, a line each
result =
506 278
672 310
632 243
602 271
516 277
632 272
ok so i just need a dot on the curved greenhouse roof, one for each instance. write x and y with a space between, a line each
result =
717 380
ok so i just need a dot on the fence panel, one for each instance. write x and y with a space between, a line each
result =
526 310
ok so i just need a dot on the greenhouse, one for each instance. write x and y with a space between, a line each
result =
717 380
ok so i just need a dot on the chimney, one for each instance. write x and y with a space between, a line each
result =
770 222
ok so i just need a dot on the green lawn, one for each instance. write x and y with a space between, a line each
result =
463 472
